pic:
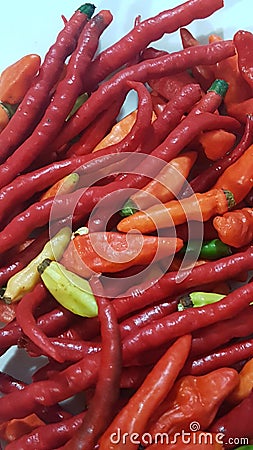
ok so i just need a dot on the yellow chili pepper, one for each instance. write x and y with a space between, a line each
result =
25 280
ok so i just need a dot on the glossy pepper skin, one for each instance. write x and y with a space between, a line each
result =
245 385
62 102
140 36
16 79
235 228
237 422
193 399
238 176
134 416
36 98
112 251
110 90
198 207
102 406
244 45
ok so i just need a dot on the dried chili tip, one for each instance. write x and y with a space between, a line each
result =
8 109
45 263
185 302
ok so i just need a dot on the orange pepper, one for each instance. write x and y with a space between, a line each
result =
241 110
198 207
235 228
111 251
119 131
64 186
228 70
216 143
167 184
245 386
4 117
237 178
16 79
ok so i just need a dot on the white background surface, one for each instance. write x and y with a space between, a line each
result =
28 26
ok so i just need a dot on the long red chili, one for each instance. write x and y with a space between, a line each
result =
82 374
174 283
144 33
62 102
47 437
51 414
27 322
191 319
38 214
206 179
36 100
213 336
221 357
165 65
26 185
96 131
102 406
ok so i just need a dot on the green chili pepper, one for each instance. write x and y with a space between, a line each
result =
215 249
210 250
245 447
198 299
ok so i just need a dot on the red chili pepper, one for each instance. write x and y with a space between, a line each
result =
143 34
102 406
96 131
83 373
208 177
205 394
110 90
221 357
48 436
62 102
170 85
49 414
27 321
203 74
40 179
134 416
27 116
244 45
218 334
175 283
236 423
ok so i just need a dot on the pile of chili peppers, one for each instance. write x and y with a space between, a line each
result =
159 209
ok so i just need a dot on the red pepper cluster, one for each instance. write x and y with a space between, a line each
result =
143 366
